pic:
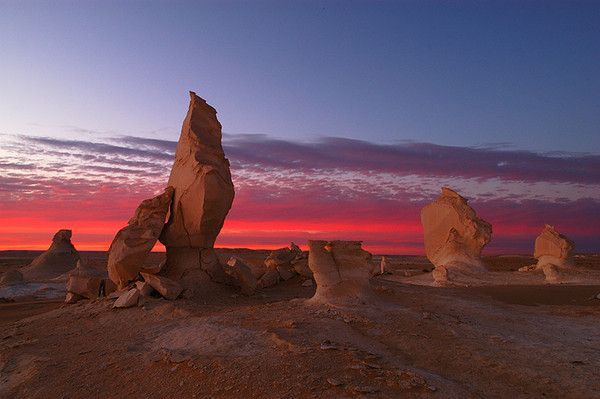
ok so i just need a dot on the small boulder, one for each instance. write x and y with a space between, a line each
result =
270 278
242 275
72 298
300 266
144 288
166 287
85 281
127 299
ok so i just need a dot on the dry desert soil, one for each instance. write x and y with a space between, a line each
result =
410 341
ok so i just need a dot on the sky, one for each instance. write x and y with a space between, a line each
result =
341 119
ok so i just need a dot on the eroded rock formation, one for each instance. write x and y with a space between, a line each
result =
60 258
554 253
551 247
454 235
133 242
341 270
203 196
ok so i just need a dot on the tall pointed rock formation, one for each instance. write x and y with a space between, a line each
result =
203 196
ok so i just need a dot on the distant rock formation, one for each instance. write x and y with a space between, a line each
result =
551 247
454 235
203 196
554 253
60 258
133 243
341 270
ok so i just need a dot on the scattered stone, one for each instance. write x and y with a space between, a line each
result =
155 269
328 345
270 278
127 299
242 275
341 271
366 389
85 281
133 243
307 283
144 288
286 272
454 235
334 381
300 266
166 287
72 298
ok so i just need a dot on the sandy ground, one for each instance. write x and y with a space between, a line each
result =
410 341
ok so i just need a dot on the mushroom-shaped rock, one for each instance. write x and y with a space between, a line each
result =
454 235
341 270
553 248
60 258
133 243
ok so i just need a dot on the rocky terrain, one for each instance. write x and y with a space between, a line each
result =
407 341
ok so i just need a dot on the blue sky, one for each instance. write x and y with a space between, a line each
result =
451 73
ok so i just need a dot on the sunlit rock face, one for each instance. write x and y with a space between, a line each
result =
203 196
553 248
133 243
202 181
341 270
454 235
60 258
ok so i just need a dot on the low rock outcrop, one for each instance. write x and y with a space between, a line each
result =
341 270
454 235
133 243
60 258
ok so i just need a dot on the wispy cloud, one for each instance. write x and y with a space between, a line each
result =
331 187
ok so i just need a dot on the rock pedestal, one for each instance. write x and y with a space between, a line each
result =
133 243
341 270
454 235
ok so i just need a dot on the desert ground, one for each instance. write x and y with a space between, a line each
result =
412 340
